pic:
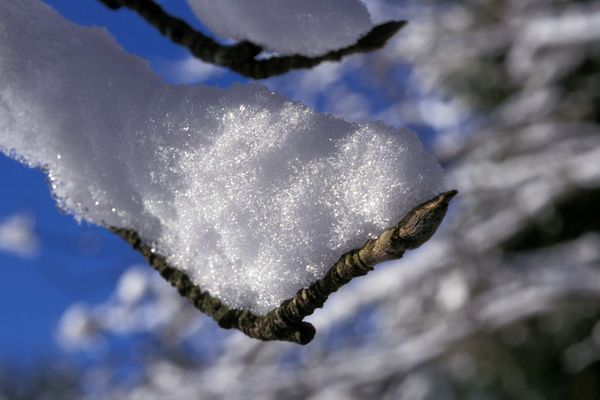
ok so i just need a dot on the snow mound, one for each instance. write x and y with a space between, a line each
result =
308 27
252 195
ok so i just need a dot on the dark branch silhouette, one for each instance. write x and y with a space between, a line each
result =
241 58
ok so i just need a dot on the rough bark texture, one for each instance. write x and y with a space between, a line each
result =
240 58
286 321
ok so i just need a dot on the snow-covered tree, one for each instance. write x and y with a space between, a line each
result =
504 303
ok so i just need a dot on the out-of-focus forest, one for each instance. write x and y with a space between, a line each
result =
503 303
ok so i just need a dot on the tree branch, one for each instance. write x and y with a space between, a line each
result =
240 58
286 321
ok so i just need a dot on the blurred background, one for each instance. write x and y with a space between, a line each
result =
503 303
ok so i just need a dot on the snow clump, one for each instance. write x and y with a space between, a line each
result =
307 27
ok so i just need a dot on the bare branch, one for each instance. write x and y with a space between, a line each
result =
240 58
286 321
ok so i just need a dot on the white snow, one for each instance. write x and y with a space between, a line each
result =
252 195
17 235
188 70
308 27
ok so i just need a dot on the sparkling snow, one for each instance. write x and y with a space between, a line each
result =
308 27
252 195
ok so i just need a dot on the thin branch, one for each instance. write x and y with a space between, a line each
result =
241 58
286 322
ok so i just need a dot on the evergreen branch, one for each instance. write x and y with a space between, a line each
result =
241 58
286 321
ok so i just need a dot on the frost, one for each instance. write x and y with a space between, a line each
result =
252 195
308 27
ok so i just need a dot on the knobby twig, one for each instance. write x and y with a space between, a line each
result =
286 321
241 58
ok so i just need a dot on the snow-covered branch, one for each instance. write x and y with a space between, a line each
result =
244 194
242 57
286 321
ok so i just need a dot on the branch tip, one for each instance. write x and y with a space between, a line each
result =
379 35
419 225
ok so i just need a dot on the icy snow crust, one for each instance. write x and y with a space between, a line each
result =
308 27
252 195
